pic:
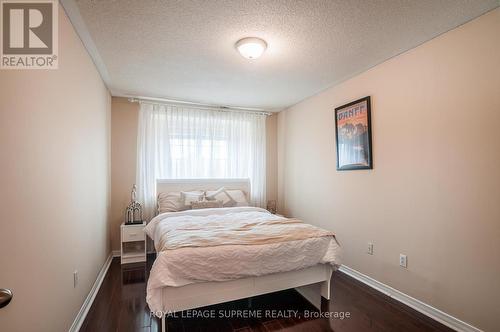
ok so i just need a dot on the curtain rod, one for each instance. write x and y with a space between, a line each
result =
162 101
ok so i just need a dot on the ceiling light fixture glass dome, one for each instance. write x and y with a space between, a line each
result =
251 47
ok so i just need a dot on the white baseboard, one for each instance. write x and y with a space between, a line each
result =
80 317
424 308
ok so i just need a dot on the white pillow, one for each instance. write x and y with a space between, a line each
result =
187 197
220 195
238 196
170 202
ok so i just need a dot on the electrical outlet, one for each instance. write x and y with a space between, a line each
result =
369 250
75 279
403 261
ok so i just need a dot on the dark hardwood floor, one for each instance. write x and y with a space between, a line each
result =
121 305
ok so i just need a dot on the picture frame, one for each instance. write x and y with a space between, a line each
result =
353 135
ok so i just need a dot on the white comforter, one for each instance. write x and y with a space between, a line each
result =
186 265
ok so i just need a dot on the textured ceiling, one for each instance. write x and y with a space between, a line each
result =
185 49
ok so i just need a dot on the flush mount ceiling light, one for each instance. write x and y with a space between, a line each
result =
251 47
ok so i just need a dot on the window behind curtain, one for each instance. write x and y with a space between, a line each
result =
179 143
213 158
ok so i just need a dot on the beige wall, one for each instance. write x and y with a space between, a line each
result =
54 147
124 117
124 120
434 193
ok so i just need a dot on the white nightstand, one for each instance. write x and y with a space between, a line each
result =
133 243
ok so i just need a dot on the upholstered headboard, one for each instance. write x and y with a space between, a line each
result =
169 185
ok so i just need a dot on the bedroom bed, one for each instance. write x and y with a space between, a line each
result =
215 255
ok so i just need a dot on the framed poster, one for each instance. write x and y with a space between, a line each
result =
354 135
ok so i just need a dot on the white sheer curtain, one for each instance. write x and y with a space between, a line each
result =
182 142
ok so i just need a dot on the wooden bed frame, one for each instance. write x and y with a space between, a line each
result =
202 294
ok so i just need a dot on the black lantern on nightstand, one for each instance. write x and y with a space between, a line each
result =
133 214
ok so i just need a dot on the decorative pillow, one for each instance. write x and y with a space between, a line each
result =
206 204
187 197
239 197
221 195
170 202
